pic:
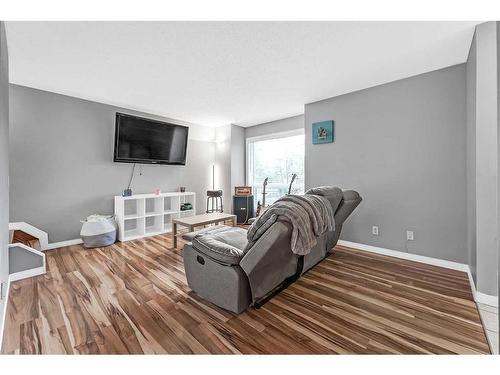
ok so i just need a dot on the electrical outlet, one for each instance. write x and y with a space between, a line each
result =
375 230
409 235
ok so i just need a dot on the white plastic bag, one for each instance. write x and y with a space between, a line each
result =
98 231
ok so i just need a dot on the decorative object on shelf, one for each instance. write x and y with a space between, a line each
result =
186 206
322 132
182 189
242 191
157 191
214 198
128 191
98 231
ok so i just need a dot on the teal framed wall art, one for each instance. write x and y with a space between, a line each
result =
323 132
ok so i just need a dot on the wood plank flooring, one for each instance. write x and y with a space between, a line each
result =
133 298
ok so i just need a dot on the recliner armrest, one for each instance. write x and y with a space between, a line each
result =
351 200
225 246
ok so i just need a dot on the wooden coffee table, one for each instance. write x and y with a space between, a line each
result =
198 220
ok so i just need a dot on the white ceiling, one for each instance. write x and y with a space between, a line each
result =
215 73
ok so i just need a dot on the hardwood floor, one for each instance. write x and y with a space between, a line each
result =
133 298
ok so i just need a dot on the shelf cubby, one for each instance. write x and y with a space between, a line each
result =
134 228
133 208
171 204
154 224
186 213
153 206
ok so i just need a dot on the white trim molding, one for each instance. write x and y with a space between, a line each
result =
42 236
275 135
408 256
486 299
56 245
478 296
249 151
29 272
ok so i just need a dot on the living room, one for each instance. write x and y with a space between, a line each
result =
241 187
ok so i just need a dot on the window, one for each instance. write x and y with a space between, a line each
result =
276 157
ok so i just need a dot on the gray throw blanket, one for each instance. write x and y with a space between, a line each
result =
310 216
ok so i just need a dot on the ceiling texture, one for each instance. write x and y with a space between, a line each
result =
216 73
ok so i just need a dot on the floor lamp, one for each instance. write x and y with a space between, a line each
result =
214 197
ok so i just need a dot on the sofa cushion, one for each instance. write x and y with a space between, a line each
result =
224 246
213 228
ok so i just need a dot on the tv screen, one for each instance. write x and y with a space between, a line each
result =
141 140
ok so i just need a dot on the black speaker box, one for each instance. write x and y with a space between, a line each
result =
243 208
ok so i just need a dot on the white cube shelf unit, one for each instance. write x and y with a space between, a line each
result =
145 215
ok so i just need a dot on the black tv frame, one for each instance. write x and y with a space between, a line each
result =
116 159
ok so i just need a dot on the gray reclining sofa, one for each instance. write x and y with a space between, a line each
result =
221 270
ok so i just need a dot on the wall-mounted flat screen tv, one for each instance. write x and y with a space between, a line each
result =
146 141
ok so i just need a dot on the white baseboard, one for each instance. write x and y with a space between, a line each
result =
408 256
55 245
486 299
478 296
28 273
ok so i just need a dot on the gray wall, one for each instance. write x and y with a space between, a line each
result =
61 162
482 157
402 146
471 157
230 161
4 166
238 156
289 123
